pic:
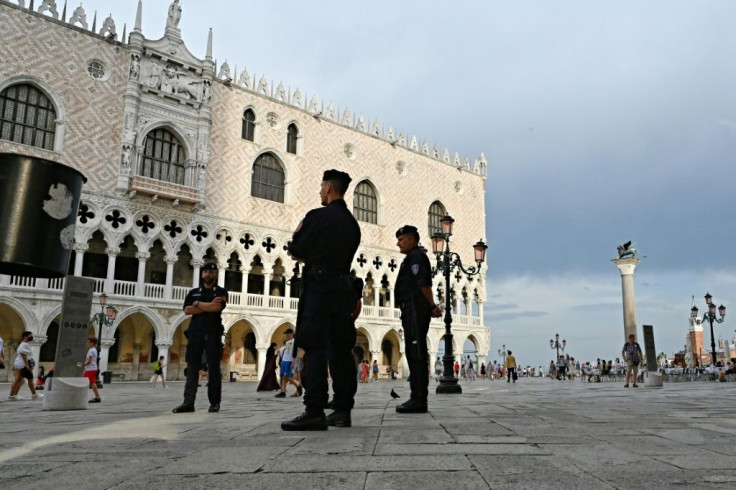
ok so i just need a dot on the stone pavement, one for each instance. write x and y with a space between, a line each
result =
536 433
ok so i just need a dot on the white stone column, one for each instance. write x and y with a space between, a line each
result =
377 297
221 274
79 258
141 282
392 301
4 279
244 282
261 360
10 347
136 360
287 290
266 285
196 264
163 350
169 288
480 311
105 345
626 267
36 343
404 363
112 255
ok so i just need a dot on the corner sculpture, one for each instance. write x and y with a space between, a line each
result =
627 249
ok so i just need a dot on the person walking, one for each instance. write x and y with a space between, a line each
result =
415 298
326 240
632 355
374 370
437 369
158 371
510 367
23 368
90 368
287 358
205 305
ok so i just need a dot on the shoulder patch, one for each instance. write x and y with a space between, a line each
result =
415 269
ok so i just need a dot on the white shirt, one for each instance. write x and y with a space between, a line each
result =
287 354
92 366
23 348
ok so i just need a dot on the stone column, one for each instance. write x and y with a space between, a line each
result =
626 267
105 345
266 286
404 367
136 361
10 347
36 343
221 274
163 350
480 311
141 282
4 279
112 255
79 258
377 298
196 264
169 288
244 282
287 290
261 360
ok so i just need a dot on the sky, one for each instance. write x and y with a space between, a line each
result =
602 122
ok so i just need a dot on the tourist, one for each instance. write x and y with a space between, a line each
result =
41 378
511 367
90 368
437 369
364 370
482 370
374 369
268 380
23 368
457 368
205 305
326 241
158 371
287 358
632 354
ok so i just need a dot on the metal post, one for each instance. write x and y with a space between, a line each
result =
448 381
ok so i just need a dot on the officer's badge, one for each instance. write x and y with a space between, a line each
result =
415 269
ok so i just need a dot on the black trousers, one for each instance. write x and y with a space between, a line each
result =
212 345
416 327
325 330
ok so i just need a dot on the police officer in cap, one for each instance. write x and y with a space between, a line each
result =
416 301
326 241
205 305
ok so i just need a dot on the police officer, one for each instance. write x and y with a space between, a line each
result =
416 301
205 304
326 241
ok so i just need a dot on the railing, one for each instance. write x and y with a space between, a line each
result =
154 291
124 288
179 293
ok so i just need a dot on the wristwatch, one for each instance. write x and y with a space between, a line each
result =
195 304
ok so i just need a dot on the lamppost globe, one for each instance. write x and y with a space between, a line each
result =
710 317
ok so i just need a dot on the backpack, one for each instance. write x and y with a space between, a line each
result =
156 365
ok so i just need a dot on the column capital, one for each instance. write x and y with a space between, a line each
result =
197 263
164 344
112 251
107 342
142 255
626 266
80 247
244 269
171 260
38 340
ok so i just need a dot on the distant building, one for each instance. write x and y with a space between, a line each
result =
188 162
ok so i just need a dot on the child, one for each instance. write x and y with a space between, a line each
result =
90 368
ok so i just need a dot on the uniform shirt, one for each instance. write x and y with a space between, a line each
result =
415 273
206 321
328 237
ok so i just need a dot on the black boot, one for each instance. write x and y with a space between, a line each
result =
339 418
413 406
184 408
306 421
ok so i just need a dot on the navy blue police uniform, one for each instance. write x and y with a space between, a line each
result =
415 273
327 241
204 337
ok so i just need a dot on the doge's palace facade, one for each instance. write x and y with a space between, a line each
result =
189 162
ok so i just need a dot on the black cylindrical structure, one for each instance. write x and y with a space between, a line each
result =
38 210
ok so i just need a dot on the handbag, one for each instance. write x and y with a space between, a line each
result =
31 363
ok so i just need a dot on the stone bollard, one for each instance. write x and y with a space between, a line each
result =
653 379
66 394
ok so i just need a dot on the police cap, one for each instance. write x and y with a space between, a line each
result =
209 266
408 229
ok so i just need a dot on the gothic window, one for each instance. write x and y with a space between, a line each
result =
365 203
249 125
267 180
291 138
436 212
27 116
163 157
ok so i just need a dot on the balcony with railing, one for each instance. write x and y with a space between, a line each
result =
157 295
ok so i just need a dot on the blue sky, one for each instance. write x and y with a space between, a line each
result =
602 122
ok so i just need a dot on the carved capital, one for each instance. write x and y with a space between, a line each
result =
112 251
142 255
80 247
164 344
107 343
38 340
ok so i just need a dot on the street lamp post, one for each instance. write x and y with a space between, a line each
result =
710 317
106 316
502 353
447 261
555 344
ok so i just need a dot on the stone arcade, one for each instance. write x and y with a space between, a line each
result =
189 163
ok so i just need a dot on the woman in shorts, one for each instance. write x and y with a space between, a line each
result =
23 368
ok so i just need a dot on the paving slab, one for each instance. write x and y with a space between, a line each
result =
535 433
